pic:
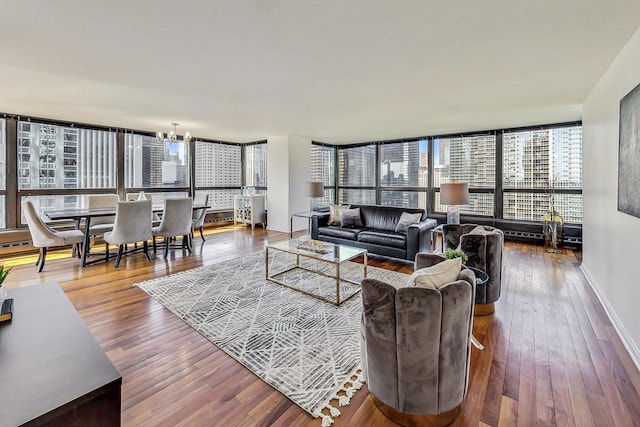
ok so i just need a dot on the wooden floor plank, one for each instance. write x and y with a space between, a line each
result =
551 355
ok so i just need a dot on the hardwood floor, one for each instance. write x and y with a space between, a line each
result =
551 355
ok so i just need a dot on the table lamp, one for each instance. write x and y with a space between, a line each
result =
454 194
314 190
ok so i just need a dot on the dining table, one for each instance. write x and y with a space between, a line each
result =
86 214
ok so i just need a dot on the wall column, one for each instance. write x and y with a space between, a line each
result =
288 168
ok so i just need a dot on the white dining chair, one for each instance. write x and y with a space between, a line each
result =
44 237
176 221
132 225
197 219
101 224
143 196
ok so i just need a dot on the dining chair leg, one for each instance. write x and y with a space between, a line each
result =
106 252
146 250
167 240
187 242
154 244
120 250
201 235
43 255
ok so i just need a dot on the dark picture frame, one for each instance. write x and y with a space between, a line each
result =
629 154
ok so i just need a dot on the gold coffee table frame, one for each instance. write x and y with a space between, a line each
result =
337 255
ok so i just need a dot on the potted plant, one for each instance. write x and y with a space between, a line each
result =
456 253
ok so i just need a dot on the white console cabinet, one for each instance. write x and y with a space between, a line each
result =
249 210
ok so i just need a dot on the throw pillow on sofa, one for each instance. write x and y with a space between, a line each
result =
437 275
406 219
334 214
350 217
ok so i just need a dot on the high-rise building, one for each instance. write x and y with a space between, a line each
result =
544 160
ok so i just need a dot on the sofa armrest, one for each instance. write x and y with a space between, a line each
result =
419 237
318 221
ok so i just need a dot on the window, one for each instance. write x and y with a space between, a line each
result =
547 165
404 164
57 163
255 165
48 154
469 159
323 161
356 168
149 163
3 172
217 172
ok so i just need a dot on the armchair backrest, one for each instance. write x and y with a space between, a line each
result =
484 252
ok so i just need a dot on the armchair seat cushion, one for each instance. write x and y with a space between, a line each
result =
383 238
341 233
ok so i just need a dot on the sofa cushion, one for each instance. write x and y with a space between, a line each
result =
341 233
350 217
334 213
383 238
406 219
437 275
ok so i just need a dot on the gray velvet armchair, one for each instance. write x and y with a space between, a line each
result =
484 250
416 346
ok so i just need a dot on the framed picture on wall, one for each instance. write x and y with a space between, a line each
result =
629 154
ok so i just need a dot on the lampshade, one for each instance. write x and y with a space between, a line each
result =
314 189
454 193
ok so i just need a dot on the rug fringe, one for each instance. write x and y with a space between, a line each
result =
350 387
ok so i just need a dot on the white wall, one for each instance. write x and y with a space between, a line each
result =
288 164
610 253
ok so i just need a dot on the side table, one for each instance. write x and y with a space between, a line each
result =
308 215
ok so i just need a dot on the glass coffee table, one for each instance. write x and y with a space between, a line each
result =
316 268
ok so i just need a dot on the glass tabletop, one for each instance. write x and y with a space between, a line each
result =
318 249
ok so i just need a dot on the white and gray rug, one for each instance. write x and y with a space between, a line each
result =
304 347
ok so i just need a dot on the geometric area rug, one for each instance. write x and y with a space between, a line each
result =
307 349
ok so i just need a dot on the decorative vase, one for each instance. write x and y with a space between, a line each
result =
553 231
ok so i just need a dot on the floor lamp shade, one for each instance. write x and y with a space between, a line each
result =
314 189
454 194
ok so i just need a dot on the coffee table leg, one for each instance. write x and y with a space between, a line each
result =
266 262
365 265
338 283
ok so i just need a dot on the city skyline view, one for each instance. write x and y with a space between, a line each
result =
540 162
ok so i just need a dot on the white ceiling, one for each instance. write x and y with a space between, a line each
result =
332 70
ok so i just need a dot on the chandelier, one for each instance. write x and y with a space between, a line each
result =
173 134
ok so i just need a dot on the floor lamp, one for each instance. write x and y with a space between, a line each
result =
314 190
454 194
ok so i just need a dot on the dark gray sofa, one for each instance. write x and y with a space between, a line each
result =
378 233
